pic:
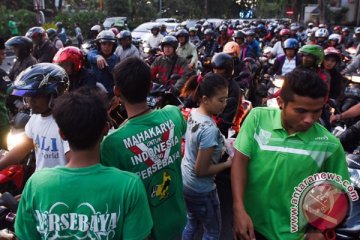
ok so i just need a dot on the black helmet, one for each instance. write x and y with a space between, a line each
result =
52 33
106 36
170 41
239 34
223 61
59 24
124 34
41 79
20 41
182 33
155 27
36 33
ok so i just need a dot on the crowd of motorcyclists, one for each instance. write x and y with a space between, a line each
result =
248 54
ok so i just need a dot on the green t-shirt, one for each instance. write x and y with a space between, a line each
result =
95 202
278 163
150 146
13 28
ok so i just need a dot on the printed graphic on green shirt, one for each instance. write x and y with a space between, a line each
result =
86 223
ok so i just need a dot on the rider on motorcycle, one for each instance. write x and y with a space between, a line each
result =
43 49
278 47
321 36
169 64
52 34
253 48
40 84
239 37
287 62
126 48
209 43
22 47
223 37
103 59
186 49
155 38
194 38
71 60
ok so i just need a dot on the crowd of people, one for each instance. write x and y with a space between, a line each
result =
159 175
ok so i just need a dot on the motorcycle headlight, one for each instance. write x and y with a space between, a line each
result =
14 139
146 49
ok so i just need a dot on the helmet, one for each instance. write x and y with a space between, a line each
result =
313 50
182 33
59 24
41 78
239 34
155 27
51 32
114 30
209 32
250 33
223 61
20 41
223 28
345 29
192 29
124 34
106 36
169 41
310 24
285 32
357 30
322 32
294 27
261 26
331 51
336 37
72 55
96 28
291 43
232 47
337 28
36 33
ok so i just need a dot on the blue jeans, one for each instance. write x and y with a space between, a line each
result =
203 210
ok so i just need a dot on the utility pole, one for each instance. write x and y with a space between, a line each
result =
160 8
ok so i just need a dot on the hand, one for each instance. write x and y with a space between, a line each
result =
243 227
332 118
229 161
101 62
5 234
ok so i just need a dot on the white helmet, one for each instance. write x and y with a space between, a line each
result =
336 37
357 30
322 32
96 28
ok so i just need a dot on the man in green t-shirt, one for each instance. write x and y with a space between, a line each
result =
84 200
13 26
149 144
276 150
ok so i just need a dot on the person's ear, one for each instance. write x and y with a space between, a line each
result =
106 128
280 102
62 135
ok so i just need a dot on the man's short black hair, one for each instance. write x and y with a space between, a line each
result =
81 116
304 83
133 77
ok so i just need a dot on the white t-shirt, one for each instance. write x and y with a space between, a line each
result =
288 66
154 42
50 149
277 50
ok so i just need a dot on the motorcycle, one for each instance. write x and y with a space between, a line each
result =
13 178
8 208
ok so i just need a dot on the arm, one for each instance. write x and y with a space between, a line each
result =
194 58
243 226
203 165
17 154
352 67
92 56
352 112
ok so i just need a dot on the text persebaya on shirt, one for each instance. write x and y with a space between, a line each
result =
153 147
93 224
